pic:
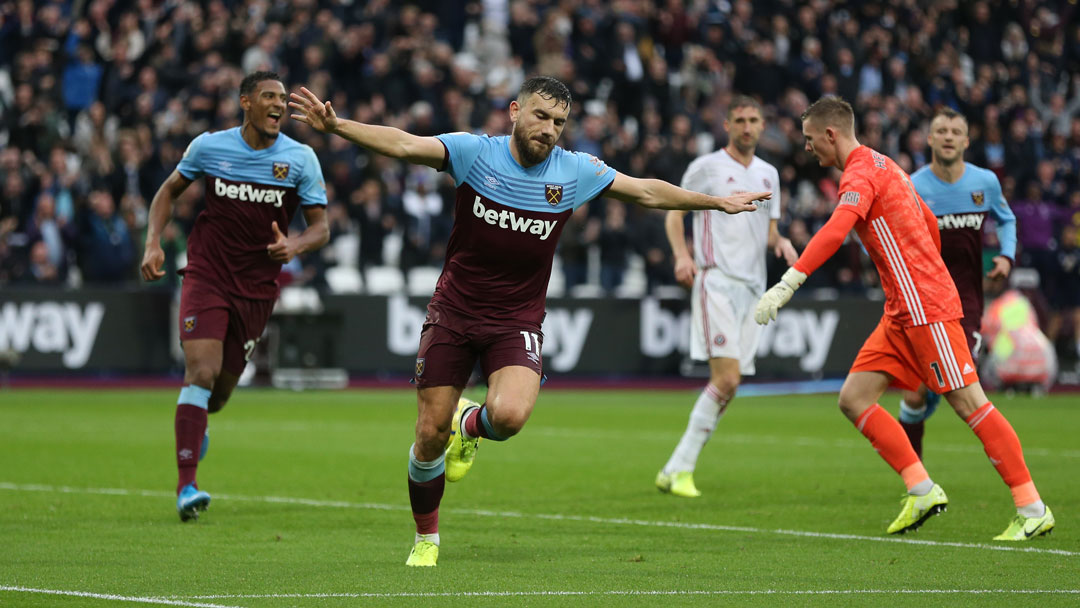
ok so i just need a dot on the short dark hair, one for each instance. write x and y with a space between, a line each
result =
743 101
948 113
546 87
252 80
831 111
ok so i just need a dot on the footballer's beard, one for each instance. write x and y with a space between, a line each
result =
745 146
529 154
949 162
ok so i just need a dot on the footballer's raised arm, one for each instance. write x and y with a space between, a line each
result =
388 141
659 194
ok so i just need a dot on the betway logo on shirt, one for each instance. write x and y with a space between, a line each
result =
249 193
509 220
961 220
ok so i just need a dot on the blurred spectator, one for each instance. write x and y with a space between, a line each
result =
107 254
1068 302
578 235
615 245
54 233
1057 113
375 222
651 243
41 270
104 96
1037 220
426 222
81 78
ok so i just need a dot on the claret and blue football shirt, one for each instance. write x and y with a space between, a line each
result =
246 191
507 224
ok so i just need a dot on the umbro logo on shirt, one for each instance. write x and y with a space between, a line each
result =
730 180
494 183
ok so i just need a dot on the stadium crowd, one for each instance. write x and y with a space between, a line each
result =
101 97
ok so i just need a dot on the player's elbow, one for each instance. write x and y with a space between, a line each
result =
323 236
651 195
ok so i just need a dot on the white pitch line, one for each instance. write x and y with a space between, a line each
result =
110 596
855 443
632 592
341 504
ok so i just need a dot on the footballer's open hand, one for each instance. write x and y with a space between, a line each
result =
282 249
744 201
310 110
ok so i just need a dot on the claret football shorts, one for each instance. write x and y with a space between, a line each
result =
209 312
452 343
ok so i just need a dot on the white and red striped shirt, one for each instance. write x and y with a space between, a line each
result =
733 244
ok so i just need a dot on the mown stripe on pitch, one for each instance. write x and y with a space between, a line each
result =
342 504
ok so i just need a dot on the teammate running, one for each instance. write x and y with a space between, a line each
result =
727 276
256 178
919 338
960 195
514 195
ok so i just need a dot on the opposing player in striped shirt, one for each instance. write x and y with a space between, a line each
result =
726 274
919 339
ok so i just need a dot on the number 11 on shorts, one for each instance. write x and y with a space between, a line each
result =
532 342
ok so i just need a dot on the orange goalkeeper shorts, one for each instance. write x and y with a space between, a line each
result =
936 355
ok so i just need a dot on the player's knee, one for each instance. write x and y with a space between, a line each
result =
431 437
914 401
508 421
201 374
725 384
850 404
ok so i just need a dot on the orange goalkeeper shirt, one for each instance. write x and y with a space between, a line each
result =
900 234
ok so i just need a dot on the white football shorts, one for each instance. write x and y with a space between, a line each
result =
722 322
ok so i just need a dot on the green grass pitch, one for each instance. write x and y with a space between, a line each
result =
310 507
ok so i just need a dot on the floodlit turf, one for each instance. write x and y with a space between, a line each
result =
310 507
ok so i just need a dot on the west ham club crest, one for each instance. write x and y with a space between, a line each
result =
281 170
553 194
978 198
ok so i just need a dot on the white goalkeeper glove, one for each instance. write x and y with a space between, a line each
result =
777 296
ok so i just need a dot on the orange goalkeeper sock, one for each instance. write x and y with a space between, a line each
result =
1002 446
890 442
